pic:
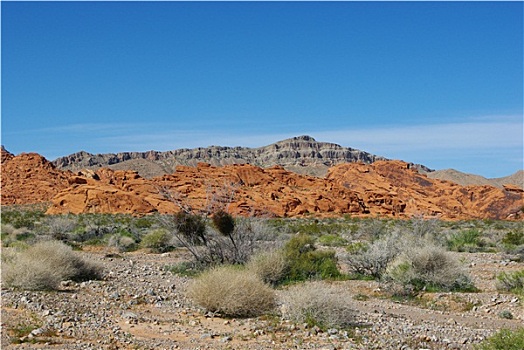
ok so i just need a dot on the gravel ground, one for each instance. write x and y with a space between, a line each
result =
139 305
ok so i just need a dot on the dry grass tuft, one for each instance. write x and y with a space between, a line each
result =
232 292
318 304
44 265
270 266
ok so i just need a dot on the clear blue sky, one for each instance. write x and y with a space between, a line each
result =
437 83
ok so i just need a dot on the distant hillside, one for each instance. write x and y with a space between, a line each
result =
466 179
302 155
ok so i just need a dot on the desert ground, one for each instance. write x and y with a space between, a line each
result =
139 304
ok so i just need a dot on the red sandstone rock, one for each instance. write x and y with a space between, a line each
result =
384 188
29 178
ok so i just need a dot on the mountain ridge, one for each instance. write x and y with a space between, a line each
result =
300 154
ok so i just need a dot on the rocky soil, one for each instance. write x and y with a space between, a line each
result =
140 305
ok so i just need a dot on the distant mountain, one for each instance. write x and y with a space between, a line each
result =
302 155
465 179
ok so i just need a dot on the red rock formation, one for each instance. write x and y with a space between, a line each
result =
29 178
108 191
426 196
384 188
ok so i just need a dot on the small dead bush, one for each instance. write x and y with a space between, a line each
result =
318 304
232 292
44 265
270 266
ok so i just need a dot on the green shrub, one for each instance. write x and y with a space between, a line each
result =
506 314
21 217
184 268
357 247
332 240
44 265
270 266
306 262
466 241
513 238
505 339
318 304
16 236
232 292
511 281
158 241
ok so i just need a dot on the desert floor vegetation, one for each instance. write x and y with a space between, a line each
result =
312 275
318 304
505 339
44 265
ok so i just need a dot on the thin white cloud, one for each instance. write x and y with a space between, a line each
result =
474 145
487 134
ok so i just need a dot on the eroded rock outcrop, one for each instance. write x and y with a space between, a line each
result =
384 188
29 178
426 196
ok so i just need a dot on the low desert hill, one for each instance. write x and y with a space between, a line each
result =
385 188
465 179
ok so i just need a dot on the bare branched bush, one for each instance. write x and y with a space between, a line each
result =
318 304
232 292
271 266
207 245
59 226
374 259
372 229
44 265
425 228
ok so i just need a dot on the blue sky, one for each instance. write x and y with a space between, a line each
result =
437 83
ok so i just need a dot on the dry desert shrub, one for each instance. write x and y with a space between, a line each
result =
158 241
233 292
373 260
270 266
44 265
318 304
428 268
